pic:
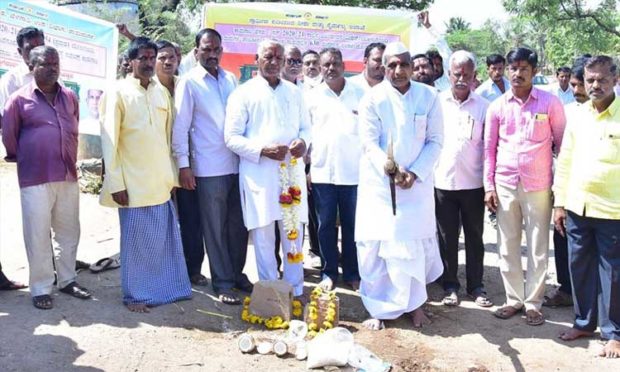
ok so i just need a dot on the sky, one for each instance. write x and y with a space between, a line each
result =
475 12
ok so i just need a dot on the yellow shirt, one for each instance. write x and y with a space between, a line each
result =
135 140
587 179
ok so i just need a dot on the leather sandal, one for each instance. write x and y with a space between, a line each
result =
43 302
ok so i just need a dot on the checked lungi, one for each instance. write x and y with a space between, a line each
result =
153 270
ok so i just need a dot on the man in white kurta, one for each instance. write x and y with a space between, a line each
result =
266 124
398 254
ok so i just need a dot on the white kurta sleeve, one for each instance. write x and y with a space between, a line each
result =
424 164
235 125
305 129
184 105
370 128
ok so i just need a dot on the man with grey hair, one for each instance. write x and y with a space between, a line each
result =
266 125
40 126
292 65
401 133
459 195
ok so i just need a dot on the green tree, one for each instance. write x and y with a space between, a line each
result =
455 24
563 29
481 42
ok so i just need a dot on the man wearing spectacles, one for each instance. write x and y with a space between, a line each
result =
292 65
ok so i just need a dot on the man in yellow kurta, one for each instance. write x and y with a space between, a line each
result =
139 177
587 206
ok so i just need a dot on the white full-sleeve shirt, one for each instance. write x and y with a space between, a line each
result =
257 116
336 148
198 131
414 122
461 161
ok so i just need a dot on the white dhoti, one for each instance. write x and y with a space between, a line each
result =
264 239
394 275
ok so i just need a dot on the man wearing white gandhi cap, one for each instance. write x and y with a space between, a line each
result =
397 245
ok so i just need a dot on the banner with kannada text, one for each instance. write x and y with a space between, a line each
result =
244 25
87 48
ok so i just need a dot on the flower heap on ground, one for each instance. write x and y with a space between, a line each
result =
314 327
275 322
290 198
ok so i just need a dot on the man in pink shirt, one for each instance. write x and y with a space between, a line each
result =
522 129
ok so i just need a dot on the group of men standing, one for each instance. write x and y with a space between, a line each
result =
402 165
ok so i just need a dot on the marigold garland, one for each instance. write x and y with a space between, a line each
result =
275 322
313 313
289 199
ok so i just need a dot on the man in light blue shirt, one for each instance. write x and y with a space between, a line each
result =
497 84
207 165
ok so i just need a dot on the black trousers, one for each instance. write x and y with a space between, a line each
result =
560 249
453 209
191 230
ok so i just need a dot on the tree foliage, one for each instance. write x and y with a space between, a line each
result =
563 29
481 42
455 24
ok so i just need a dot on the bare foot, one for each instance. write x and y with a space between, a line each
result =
573 334
419 318
373 324
326 284
611 349
138 308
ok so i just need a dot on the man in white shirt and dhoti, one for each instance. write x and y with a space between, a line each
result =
401 133
266 125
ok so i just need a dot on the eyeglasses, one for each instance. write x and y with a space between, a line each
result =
292 61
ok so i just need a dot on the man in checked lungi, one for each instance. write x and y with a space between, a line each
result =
139 177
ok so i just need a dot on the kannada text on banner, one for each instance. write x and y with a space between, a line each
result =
308 27
87 48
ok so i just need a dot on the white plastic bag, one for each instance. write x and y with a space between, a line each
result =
330 348
364 360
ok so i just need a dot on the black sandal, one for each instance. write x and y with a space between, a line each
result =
43 302
76 291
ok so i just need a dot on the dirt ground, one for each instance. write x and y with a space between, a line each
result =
200 335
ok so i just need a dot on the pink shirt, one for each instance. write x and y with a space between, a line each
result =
42 138
518 139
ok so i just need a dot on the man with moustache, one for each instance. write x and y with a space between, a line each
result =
209 167
310 69
587 206
401 135
497 84
140 176
267 126
522 127
333 112
40 127
423 71
292 65
373 72
459 195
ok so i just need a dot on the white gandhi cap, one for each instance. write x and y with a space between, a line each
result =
395 48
